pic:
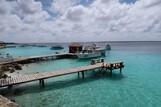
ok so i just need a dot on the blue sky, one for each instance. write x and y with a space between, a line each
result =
127 1
80 20
47 3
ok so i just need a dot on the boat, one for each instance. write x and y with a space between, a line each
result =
24 45
89 52
87 55
41 46
108 47
57 47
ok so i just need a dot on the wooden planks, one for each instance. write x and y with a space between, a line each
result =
38 76
44 75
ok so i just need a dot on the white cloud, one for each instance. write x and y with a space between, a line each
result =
61 6
75 13
27 21
3 7
29 6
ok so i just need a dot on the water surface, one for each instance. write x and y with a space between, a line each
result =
138 86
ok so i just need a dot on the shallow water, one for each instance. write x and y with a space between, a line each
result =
138 86
29 51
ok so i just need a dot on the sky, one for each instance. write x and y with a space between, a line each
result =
80 20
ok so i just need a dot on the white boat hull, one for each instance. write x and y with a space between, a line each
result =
89 55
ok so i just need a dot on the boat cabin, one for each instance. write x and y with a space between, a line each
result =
75 48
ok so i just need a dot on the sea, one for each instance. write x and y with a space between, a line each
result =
139 85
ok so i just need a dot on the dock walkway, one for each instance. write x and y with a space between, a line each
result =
24 60
44 75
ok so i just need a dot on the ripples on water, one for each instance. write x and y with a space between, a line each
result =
138 86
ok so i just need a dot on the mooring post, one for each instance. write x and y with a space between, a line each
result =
83 74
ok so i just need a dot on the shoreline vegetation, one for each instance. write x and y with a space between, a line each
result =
9 68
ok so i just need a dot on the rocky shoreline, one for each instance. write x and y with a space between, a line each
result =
5 102
9 68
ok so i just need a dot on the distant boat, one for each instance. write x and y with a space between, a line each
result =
57 47
108 47
41 46
24 45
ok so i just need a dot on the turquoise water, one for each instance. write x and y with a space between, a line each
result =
138 86
29 51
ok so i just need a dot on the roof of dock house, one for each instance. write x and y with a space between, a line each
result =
75 44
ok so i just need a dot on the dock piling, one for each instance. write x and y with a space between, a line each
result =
111 66
78 75
41 82
83 74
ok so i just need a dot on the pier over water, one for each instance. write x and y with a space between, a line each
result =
32 59
101 67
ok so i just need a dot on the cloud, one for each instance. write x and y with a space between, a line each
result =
75 13
28 21
29 6
4 8
60 6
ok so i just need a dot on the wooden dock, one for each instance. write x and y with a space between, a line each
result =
107 67
24 60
